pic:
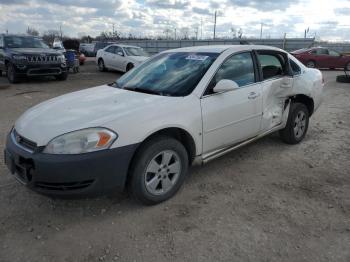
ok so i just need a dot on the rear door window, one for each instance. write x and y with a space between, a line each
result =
271 65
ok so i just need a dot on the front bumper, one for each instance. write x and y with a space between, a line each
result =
40 69
89 174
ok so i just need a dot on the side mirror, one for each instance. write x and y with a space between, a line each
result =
120 53
225 85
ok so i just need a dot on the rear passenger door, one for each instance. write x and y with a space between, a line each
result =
233 116
275 80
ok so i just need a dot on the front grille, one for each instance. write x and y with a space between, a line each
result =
42 59
24 142
64 186
44 71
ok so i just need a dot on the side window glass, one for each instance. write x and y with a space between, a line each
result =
333 53
295 68
110 49
322 51
271 66
238 68
118 50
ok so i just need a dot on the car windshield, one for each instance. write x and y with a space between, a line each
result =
24 42
169 74
135 51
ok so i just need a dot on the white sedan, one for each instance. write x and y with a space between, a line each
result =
181 107
120 57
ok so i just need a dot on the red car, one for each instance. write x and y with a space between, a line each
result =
319 57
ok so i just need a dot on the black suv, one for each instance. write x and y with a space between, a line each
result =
30 56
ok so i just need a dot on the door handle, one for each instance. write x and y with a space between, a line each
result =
253 95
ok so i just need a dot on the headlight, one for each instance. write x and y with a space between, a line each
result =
81 141
62 58
19 57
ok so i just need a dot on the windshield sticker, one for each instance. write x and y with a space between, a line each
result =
197 57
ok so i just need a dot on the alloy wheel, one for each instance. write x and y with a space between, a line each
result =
162 172
299 124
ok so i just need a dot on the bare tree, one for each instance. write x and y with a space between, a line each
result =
167 31
185 33
50 35
233 32
32 31
240 33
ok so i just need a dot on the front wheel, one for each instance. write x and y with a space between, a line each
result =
311 64
11 74
101 65
62 77
347 67
158 171
297 124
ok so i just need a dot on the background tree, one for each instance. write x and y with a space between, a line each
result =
32 31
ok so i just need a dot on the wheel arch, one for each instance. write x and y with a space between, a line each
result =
306 100
180 134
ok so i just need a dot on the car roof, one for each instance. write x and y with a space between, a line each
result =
121 45
222 48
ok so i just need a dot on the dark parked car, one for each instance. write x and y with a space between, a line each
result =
22 56
319 57
101 45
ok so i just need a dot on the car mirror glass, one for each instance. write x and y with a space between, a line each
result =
225 85
120 53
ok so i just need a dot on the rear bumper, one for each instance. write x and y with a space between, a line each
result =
40 69
82 175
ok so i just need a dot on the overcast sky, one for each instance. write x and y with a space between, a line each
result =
329 20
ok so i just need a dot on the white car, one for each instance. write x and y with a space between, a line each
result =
182 107
120 57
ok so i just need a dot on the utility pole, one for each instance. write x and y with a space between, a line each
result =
113 29
175 33
201 28
214 24
261 30
61 32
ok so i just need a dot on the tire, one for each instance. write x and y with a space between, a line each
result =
297 124
150 187
101 65
347 67
11 74
129 67
62 77
311 64
343 79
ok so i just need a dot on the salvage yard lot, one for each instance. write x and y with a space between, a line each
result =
267 201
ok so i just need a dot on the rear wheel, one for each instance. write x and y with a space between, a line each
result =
297 124
129 67
11 74
101 65
311 64
159 170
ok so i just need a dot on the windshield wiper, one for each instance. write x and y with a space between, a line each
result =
143 90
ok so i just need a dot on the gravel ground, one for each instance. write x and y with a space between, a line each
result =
265 202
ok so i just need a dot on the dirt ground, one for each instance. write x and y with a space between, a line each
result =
265 202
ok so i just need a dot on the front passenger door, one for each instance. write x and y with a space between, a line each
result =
234 116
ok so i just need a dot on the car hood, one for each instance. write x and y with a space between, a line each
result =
139 58
91 107
34 51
